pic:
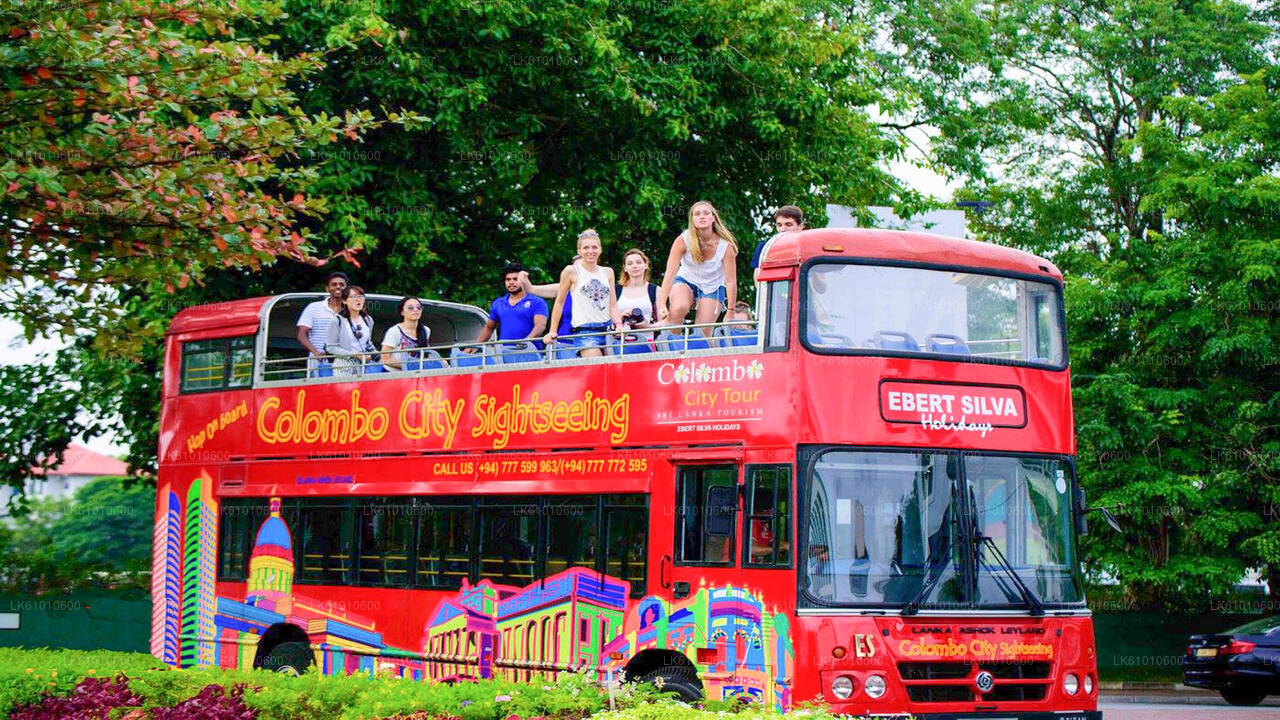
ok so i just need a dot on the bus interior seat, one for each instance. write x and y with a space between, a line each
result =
670 342
633 345
431 360
461 358
895 340
731 336
948 344
518 352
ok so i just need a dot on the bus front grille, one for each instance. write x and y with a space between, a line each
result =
1011 681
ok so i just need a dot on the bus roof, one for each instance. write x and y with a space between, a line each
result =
791 249
240 314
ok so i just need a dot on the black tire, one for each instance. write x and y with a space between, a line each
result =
1243 696
294 658
683 683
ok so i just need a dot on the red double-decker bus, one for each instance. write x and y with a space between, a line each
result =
869 499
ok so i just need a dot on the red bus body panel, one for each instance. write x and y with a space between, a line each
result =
605 428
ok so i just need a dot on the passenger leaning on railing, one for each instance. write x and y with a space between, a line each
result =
313 323
405 336
594 302
350 338
701 270
637 297
549 292
517 315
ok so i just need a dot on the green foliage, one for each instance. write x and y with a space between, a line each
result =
40 422
101 536
1134 143
143 144
28 675
542 119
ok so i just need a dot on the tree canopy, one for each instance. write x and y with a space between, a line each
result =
141 145
1133 143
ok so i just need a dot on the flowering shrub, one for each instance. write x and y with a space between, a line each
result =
54 684
91 699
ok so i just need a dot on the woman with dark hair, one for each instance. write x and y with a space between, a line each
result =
408 334
351 337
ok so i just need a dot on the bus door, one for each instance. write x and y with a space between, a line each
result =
705 510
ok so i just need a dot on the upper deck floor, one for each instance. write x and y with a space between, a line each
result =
862 336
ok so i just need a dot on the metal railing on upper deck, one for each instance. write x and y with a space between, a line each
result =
706 339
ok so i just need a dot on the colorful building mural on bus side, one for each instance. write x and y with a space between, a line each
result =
575 620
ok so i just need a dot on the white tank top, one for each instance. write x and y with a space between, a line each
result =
590 296
637 297
707 275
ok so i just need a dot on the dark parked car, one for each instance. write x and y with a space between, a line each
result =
1242 663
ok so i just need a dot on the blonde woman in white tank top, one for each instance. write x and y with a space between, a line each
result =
594 301
702 270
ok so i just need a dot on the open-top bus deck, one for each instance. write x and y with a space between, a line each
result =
868 498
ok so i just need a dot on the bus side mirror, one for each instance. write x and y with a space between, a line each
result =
1083 509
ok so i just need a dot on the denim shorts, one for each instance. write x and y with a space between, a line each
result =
720 294
581 340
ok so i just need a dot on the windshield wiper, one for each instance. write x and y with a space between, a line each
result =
1033 602
913 607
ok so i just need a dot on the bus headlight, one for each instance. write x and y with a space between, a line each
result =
842 687
874 686
1071 684
1088 684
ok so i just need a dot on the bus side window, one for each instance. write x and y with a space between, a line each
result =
767 534
445 530
323 539
779 319
509 540
706 513
626 539
238 523
386 537
217 364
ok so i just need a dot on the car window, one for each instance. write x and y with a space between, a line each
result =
1265 626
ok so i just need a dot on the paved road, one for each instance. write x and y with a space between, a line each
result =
1181 706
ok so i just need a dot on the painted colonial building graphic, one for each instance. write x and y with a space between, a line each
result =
576 620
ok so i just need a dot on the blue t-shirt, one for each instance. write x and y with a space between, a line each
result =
515 322
566 317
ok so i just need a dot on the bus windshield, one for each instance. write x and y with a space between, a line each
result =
873 308
901 528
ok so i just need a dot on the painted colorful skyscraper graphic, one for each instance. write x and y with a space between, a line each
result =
576 620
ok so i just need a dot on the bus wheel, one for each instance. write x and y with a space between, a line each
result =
291 658
1243 696
676 680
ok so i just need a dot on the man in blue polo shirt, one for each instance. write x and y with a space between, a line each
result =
516 315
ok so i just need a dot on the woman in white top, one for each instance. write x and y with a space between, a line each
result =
702 270
350 337
594 302
404 336
637 297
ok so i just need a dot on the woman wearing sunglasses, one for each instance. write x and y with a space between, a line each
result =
350 339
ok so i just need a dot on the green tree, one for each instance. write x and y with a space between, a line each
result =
519 125
546 118
99 537
1090 127
108 526
142 143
